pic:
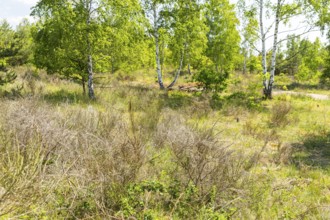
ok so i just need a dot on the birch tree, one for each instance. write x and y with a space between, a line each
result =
154 10
66 37
281 12
268 83
189 40
178 26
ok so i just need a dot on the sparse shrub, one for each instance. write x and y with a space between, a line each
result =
280 114
284 153
23 167
254 129
216 102
30 77
205 163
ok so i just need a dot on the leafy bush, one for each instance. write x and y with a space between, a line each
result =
7 77
211 79
325 77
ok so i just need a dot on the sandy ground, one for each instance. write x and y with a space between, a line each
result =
314 96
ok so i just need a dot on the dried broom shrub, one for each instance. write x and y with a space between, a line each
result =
90 151
202 158
280 115
23 165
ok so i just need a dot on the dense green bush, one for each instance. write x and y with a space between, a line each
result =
212 80
325 77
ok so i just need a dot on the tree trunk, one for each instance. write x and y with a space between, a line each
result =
263 43
189 70
156 35
244 62
91 93
268 94
83 83
178 72
112 66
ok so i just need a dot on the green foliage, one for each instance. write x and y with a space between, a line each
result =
115 31
293 54
249 33
189 37
7 77
126 47
211 79
303 59
16 45
7 44
254 65
325 78
58 37
23 44
223 37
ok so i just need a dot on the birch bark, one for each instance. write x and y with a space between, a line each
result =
263 44
273 59
178 72
156 35
91 93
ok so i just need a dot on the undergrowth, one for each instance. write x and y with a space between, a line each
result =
138 153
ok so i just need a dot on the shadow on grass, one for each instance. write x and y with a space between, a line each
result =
314 151
64 96
177 100
238 99
297 85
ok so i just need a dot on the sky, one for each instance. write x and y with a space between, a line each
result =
15 10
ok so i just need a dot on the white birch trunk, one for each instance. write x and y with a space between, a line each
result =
156 35
91 93
273 60
263 43
90 84
179 70
244 61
